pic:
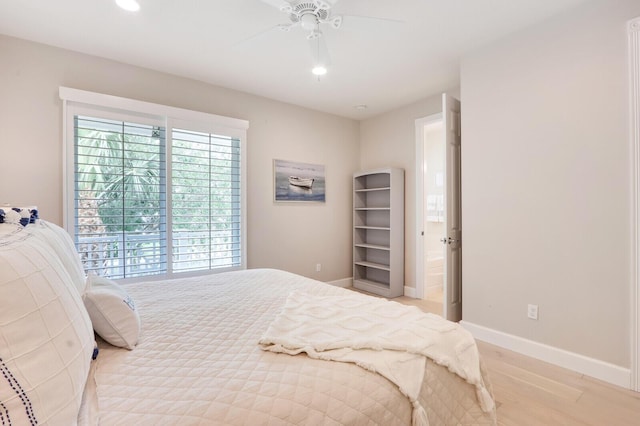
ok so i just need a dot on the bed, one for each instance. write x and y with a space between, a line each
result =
196 359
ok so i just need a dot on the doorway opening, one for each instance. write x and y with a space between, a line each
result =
427 129
438 213
434 214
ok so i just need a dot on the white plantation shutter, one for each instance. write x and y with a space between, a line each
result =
206 203
151 189
120 197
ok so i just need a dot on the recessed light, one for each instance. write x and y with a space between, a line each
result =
129 5
319 70
360 107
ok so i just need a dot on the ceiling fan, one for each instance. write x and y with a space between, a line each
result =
310 15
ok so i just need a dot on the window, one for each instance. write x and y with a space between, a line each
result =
152 190
206 201
119 197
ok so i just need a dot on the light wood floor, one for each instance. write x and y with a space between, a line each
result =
532 392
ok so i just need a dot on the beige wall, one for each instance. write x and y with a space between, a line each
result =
546 184
389 140
289 236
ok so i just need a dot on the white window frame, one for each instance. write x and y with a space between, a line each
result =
81 102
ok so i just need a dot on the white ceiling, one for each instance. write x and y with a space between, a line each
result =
381 64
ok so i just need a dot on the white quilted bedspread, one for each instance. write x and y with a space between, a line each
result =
389 338
198 362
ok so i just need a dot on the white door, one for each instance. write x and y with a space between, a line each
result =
452 300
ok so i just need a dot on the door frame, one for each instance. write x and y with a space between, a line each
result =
420 169
634 110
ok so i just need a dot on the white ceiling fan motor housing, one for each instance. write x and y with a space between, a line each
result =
304 7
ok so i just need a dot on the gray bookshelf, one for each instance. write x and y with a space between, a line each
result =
378 231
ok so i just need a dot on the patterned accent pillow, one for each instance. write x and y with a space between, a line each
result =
113 312
21 215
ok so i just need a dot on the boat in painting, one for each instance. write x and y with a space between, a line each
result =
301 182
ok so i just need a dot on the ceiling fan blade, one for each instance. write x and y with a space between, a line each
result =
286 27
319 51
359 23
261 33
281 5
371 18
322 4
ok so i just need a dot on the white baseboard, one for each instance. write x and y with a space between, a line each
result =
601 370
410 291
344 282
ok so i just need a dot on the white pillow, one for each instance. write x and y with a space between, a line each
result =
112 311
9 228
62 244
46 339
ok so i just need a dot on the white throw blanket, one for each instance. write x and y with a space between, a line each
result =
381 336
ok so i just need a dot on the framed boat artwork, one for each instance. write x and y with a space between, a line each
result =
295 181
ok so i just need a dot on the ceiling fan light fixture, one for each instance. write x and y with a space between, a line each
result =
319 70
309 22
128 5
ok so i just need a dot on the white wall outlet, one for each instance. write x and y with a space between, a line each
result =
318 267
532 311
